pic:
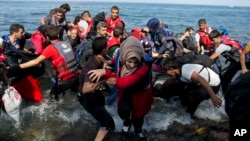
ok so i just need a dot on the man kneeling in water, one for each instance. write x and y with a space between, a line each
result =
63 60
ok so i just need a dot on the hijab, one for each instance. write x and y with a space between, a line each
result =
131 48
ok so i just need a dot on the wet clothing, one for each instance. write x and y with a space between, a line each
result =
94 102
134 84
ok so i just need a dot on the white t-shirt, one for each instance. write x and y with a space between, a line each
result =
208 74
222 48
197 36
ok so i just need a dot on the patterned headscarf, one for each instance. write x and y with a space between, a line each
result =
131 48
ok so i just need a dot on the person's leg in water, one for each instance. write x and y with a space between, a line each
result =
101 134
94 104
124 111
60 86
137 123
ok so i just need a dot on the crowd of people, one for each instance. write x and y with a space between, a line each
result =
98 54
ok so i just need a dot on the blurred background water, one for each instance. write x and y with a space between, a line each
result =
178 17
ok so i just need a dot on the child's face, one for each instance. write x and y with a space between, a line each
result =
216 41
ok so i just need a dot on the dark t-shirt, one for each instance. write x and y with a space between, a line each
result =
91 64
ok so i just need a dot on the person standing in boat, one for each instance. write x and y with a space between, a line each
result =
188 40
202 38
114 20
59 21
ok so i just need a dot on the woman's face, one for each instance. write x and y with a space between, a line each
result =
132 63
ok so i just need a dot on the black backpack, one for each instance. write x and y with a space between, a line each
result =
191 58
15 57
84 51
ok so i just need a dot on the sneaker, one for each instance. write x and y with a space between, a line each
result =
54 97
141 137
125 135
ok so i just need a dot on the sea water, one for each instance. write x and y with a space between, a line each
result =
50 120
177 17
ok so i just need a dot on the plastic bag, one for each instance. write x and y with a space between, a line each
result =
33 92
12 103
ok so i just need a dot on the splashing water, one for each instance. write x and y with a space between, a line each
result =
50 120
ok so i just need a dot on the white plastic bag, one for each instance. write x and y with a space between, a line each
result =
12 103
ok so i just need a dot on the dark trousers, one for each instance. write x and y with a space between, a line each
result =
62 85
191 95
125 110
229 72
94 103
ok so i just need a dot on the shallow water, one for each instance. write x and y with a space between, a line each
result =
50 120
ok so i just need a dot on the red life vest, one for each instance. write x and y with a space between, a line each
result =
204 38
113 41
227 40
90 25
112 23
136 32
65 64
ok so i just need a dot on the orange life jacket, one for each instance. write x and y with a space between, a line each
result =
112 23
204 38
65 64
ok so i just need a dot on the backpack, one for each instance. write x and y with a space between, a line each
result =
84 51
159 34
191 58
16 56
236 48
224 30
172 46
167 32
